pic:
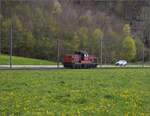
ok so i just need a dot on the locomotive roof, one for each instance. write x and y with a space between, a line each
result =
81 52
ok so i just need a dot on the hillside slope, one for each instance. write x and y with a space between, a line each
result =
4 60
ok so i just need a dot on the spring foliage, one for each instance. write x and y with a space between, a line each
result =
38 25
129 46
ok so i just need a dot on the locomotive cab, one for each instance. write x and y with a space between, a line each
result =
83 54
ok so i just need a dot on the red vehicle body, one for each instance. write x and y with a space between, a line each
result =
79 60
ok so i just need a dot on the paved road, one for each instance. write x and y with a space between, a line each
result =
61 66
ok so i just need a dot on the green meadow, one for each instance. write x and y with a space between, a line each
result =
16 60
86 92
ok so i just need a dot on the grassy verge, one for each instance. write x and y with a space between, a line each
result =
112 92
4 60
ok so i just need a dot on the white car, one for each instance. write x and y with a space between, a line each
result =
121 63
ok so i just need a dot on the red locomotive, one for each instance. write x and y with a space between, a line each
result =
80 59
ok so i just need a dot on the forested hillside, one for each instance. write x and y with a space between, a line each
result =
122 26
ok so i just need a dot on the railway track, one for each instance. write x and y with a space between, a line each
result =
55 67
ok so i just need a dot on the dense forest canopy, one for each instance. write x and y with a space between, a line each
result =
122 25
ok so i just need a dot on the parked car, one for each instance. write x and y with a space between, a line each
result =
121 63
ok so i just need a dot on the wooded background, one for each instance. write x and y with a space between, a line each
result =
121 28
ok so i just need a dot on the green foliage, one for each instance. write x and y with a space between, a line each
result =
139 46
83 35
129 48
5 29
96 41
6 24
76 40
98 34
75 92
127 30
85 20
38 25
23 39
57 9
17 24
129 45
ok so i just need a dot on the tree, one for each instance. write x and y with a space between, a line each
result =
85 19
76 40
129 48
97 38
5 29
23 39
127 30
83 35
39 24
139 51
57 9
98 34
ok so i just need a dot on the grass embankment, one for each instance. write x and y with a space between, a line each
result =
4 60
112 92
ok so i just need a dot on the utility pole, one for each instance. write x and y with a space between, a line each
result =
101 52
10 46
0 27
0 42
143 50
143 56
58 53
149 45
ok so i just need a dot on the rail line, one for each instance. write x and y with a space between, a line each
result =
55 67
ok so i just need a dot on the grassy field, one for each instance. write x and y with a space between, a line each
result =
4 60
105 92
